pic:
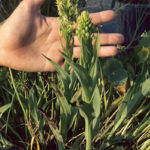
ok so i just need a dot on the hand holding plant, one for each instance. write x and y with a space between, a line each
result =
23 41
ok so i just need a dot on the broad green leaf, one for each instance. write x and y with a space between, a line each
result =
67 122
86 111
131 71
144 42
95 61
91 112
94 72
97 46
67 112
73 82
115 72
86 54
64 77
84 78
68 115
4 108
96 104
143 74
142 55
33 106
132 100
62 100
76 96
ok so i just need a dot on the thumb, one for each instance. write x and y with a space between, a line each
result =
34 4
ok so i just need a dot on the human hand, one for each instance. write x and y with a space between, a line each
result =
27 35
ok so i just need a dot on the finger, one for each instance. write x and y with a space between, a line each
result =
110 38
108 51
34 4
105 51
102 17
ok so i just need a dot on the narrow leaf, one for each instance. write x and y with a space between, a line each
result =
4 109
55 131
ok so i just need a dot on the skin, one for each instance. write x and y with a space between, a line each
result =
26 36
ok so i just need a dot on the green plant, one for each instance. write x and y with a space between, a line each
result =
81 106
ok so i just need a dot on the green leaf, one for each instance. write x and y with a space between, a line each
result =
95 61
91 112
33 106
86 111
68 115
4 108
84 78
94 72
131 102
68 112
142 55
77 142
115 72
3 74
76 96
141 128
73 82
86 54
64 76
55 131
61 99
145 145
144 42
5 142
96 105
97 46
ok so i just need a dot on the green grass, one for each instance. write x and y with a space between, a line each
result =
36 114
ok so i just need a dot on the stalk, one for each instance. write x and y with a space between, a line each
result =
68 12
87 65
88 56
17 94
19 99
88 135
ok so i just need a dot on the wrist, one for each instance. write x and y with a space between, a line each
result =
1 48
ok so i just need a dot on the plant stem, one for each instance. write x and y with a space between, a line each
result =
88 134
19 100
17 94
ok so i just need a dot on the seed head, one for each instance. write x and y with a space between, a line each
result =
68 12
85 27
68 9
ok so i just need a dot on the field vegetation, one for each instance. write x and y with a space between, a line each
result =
93 103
